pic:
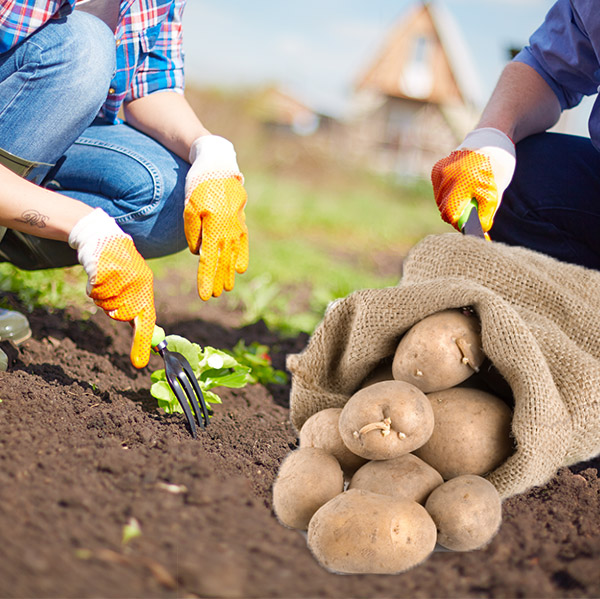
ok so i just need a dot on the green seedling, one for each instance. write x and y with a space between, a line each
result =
131 530
212 368
256 357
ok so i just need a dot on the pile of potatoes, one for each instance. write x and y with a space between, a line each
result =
399 470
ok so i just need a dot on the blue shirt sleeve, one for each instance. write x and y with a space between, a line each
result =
563 53
162 67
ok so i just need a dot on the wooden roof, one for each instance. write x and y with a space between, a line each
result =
424 58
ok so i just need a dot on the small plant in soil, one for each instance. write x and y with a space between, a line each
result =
256 357
212 368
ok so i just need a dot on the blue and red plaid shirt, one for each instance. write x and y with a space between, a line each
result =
148 39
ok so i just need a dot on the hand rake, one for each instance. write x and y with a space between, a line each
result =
183 383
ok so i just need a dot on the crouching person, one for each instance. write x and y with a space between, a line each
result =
104 163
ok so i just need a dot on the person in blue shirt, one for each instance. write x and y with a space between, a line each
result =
535 188
103 162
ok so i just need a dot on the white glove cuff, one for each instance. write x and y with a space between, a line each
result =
486 137
498 147
211 153
86 234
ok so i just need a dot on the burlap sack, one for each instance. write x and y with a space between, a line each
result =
540 322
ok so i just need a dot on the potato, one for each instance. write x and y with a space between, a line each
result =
307 479
471 435
407 476
386 420
360 532
467 511
440 351
322 430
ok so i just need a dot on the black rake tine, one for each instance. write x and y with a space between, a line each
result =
177 389
185 383
206 411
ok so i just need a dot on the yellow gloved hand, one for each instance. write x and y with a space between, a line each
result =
119 280
214 219
481 168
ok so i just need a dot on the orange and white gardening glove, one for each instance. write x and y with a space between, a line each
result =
481 168
214 219
119 280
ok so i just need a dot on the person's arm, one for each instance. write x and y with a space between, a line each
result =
31 209
522 103
167 117
119 281
553 73
483 165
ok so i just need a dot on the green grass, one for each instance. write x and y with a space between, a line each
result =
52 288
320 243
364 215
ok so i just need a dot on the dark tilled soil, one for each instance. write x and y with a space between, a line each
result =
84 449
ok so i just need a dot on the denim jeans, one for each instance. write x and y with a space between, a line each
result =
52 86
553 202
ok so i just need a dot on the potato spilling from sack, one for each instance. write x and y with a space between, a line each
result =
407 477
414 449
467 511
307 479
386 420
440 351
322 430
360 531
471 434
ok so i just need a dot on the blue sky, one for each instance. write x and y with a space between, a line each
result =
316 49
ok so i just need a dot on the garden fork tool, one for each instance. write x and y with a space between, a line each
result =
183 383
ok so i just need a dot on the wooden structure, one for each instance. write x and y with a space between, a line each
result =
418 97
282 112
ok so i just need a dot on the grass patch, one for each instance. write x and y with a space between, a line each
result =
310 244
366 214
54 288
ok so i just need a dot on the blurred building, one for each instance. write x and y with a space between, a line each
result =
418 97
280 111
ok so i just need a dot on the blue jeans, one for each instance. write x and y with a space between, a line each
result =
52 86
553 202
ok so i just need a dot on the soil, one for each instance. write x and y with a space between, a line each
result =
84 450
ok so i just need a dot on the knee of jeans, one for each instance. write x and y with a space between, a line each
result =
150 208
81 56
138 186
93 50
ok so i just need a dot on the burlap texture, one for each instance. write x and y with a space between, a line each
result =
540 322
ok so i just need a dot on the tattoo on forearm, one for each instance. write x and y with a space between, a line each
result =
33 218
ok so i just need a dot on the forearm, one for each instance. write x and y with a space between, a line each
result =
522 103
29 208
168 118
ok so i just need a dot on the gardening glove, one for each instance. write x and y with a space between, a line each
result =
481 168
119 280
215 224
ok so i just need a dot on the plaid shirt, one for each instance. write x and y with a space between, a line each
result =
148 40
